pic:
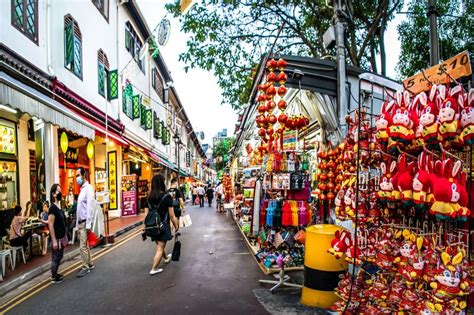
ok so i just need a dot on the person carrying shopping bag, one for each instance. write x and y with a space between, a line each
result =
57 227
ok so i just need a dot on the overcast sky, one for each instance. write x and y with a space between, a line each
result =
198 89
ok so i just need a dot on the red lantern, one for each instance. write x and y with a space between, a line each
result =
282 77
271 77
271 91
300 122
272 64
281 64
262 108
331 195
281 90
282 105
330 186
261 132
261 97
262 87
271 105
272 119
282 119
290 123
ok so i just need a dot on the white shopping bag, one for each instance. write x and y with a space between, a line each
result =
185 221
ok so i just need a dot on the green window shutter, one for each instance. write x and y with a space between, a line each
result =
143 109
127 39
101 78
112 85
18 13
163 133
127 101
156 124
136 106
148 119
30 17
68 45
77 56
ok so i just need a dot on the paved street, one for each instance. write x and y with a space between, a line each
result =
200 283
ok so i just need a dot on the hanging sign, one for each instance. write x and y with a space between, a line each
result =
72 155
457 67
129 195
289 140
112 160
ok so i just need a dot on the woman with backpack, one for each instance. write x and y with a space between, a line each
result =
160 202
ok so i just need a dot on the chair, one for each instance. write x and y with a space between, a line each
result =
3 240
74 233
15 250
3 255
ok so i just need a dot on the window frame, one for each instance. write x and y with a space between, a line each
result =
134 46
104 61
76 37
22 28
102 10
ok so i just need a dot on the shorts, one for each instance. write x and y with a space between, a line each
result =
164 236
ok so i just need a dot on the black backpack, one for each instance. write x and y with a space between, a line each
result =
154 226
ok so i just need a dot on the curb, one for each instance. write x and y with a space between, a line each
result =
29 275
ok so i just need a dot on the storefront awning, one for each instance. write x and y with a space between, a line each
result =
17 95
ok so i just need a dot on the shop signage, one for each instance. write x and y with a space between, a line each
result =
7 140
102 197
456 67
129 195
156 126
71 155
146 101
112 160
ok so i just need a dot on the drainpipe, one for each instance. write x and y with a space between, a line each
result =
48 42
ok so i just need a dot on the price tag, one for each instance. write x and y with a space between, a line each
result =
457 67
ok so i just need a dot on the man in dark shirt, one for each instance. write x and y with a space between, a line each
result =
210 195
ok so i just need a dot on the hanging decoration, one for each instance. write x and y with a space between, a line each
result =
90 149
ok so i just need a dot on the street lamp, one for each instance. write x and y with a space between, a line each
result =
177 141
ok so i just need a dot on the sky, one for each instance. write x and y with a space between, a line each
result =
198 89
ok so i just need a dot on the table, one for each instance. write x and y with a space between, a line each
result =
31 227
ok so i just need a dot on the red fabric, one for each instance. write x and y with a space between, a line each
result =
92 239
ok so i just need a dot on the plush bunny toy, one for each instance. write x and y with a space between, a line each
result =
429 117
446 192
400 131
421 183
449 113
467 119
382 123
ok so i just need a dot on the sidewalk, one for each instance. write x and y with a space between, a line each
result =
39 264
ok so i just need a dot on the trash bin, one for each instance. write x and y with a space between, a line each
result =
321 269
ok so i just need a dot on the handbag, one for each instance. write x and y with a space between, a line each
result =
187 220
92 239
154 226
64 241
176 250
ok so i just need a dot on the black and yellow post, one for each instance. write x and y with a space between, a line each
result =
321 269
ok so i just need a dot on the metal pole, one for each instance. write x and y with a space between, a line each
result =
178 160
432 14
341 62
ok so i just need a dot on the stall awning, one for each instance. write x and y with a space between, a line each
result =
17 95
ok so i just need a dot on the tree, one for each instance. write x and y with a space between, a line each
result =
455 29
220 152
229 38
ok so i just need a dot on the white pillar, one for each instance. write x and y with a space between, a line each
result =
51 158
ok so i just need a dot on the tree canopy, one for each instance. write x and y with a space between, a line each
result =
229 38
455 31
220 152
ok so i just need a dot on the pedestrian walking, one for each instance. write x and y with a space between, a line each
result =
85 202
57 228
210 195
194 195
177 196
159 200
201 192
219 198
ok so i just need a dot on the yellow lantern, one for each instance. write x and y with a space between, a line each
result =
64 142
90 149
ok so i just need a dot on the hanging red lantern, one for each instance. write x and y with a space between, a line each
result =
270 131
272 64
262 108
261 97
262 132
282 105
300 122
262 87
282 119
271 91
271 105
281 90
272 77
282 77
281 64
272 119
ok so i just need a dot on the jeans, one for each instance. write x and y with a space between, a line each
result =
201 201
56 256
84 248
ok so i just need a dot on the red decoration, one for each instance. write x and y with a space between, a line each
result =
262 132
262 87
281 64
282 119
271 77
272 64
262 108
271 91
281 91
272 119
282 77
282 105
271 105
261 97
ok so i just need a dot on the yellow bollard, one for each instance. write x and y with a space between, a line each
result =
321 269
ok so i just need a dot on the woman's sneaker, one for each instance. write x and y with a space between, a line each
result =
57 279
168 258
155 271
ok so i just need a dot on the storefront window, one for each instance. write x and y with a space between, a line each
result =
8 185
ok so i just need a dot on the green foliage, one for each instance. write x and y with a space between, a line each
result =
230 38
221 151
455 30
